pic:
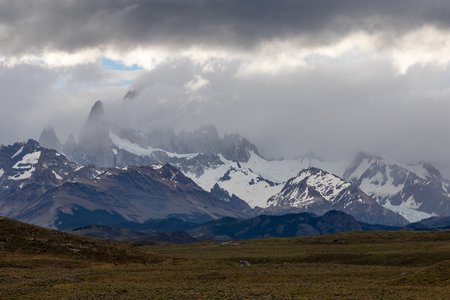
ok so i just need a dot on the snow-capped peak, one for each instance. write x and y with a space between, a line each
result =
327 184
318 191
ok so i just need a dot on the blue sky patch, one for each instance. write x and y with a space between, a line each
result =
118 65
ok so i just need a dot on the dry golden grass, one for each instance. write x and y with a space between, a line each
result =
390 265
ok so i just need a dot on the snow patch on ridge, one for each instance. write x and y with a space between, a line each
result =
22 176
301 198
57 176
136 149
28 160
18 152
26 165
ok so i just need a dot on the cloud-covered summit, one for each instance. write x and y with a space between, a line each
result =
292 76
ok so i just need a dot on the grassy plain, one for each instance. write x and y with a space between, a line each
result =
38 264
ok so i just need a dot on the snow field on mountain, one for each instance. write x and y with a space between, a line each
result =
133 148
408 212
242 182
22 176
26 165
28 160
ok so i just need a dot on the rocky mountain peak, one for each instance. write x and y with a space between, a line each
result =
413 190
237 148
31 145
312 171
94 138
169 172
97 110
48 139
315 190
328 185
205 139
232 199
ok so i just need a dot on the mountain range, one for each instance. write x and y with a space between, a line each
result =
115 174
317 191
42 187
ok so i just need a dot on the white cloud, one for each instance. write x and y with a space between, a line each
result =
145 57
54 59
196 84
425 46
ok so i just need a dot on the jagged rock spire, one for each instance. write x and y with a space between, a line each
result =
48 139
97 111
94 137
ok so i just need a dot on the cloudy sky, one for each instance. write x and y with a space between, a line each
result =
293 76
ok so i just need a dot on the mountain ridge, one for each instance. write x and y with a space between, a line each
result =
41 186
415 191
315 190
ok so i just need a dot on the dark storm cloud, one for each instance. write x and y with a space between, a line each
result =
358 102
31 26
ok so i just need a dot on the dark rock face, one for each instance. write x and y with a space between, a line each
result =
234 201
206 140
237 148
203 140
317 191
162 138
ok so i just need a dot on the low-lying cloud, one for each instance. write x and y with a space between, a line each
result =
293 76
